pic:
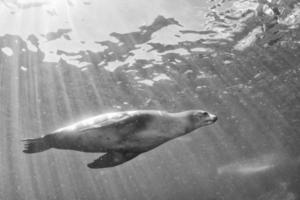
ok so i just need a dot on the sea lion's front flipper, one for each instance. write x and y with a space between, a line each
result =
112 159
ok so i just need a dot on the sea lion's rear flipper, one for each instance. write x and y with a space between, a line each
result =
35 145
112 159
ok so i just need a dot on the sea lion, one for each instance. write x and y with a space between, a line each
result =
121 135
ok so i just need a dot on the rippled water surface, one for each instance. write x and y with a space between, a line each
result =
64 60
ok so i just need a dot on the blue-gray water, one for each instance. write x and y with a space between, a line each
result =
62 61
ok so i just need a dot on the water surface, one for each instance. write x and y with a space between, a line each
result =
62 61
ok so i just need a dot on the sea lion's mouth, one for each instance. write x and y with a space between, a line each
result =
214 118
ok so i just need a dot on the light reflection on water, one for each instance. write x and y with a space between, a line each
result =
63 60
248 167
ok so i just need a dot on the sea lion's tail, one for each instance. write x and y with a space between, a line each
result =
36 145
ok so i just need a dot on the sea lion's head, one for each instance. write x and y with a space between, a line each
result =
199 118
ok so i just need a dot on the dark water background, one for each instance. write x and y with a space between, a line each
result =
249 78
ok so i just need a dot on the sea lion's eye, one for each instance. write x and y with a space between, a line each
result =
205 114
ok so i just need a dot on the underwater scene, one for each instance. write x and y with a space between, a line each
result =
194 99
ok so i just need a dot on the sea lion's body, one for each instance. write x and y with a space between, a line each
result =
135 131
123 135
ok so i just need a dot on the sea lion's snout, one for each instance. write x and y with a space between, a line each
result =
201 118
214 118
211 118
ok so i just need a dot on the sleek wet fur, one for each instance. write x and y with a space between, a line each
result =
121 135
